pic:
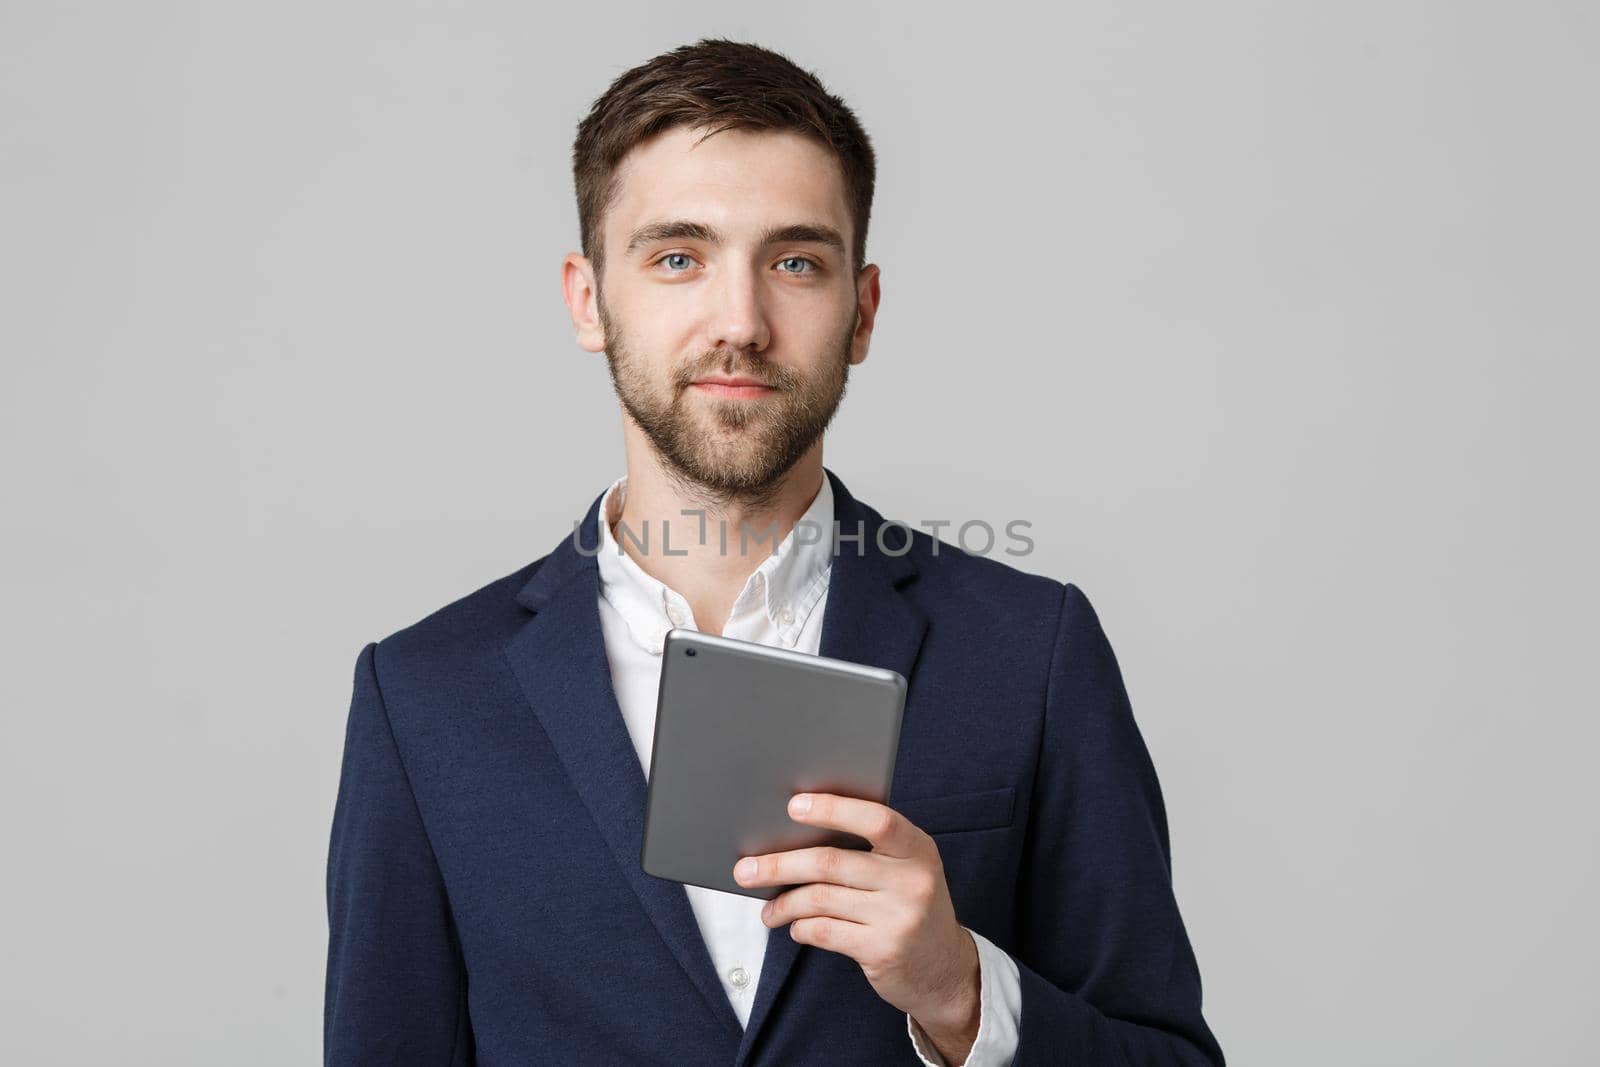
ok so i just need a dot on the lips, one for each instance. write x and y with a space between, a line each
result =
734 387
730 381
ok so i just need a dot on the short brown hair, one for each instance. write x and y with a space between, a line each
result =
721 84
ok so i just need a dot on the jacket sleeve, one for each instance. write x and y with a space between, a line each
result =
396 981
1108 975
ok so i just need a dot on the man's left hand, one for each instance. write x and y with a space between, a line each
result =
888 909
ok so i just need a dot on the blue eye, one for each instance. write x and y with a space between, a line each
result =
672 261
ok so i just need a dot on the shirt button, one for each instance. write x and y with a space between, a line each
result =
675 613
785 616
739 977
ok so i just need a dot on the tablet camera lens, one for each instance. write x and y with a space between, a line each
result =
688 652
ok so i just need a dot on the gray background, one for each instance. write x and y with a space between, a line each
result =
1276 319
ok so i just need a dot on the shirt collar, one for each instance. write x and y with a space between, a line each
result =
787 584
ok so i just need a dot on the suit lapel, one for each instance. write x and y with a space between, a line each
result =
866 620
558 657
560 661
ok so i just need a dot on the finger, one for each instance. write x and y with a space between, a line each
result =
835 935
885 829
820 899
822 863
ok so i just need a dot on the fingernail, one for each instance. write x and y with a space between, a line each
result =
800 804
766 910
746 869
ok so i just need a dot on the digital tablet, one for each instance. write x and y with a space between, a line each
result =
740 728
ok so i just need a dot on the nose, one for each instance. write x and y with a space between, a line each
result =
737 319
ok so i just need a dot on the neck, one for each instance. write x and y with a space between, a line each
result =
701 555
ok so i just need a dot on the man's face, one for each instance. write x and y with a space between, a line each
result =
702 282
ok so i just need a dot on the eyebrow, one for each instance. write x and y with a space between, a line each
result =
686 230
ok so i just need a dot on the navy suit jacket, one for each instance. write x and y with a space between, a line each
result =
485 899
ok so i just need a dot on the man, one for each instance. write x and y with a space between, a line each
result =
486 903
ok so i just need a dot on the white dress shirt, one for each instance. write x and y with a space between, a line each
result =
782 604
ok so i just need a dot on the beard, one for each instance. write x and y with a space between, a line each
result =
726 450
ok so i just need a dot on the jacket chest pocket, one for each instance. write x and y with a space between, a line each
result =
951 813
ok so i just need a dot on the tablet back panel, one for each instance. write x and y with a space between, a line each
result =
740 728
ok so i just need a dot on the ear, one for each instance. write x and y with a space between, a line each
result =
867 297
579 290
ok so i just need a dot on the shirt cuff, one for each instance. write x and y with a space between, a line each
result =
999 1013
